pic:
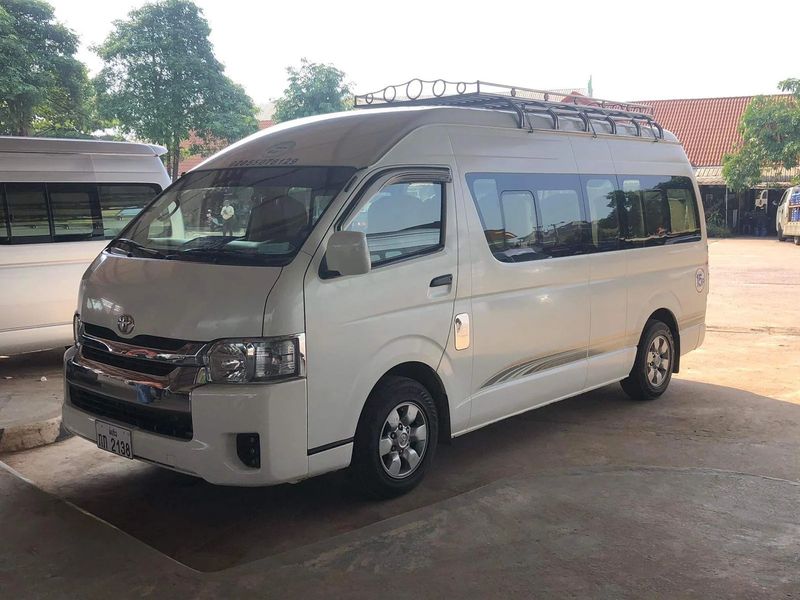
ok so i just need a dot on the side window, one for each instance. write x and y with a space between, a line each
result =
656 213
119 203
561 222
682 212
632 215
520 226
529 217
402 220
27 212
602 199
5 231
71 207
659 209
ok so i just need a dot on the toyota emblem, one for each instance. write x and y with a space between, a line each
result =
125 324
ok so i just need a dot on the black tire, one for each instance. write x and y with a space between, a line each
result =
781 238
638 385
367 469
797 240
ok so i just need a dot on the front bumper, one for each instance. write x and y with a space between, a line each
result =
277 412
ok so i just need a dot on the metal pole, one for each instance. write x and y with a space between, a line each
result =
726 207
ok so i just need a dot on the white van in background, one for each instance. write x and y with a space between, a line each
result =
787 217
395 277
60 202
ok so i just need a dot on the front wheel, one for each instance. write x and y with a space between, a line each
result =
781 238
396 438
655 357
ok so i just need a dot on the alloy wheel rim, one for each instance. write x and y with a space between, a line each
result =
403 440
659 359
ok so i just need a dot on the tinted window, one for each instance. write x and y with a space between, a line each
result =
528 217
4 226
602 199
562 225
27 212
660 209
119 203
71 206
682 211
401 220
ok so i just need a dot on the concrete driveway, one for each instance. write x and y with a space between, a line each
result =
694 495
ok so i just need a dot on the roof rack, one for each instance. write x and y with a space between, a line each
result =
525 102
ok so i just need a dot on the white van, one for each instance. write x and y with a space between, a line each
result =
787 217
60 202
394 278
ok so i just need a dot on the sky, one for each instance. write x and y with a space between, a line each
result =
656 49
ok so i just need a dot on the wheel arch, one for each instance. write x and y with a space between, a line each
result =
426 376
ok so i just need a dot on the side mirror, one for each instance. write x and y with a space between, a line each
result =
348 253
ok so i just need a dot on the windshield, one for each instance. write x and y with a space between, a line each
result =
249 215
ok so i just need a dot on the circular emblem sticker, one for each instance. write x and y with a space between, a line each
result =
700 279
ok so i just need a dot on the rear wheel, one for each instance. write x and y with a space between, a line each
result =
655 358
396 438
797 240
781 238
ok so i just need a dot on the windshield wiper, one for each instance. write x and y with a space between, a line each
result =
224 255
136 248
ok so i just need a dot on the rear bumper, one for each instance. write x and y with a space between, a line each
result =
277 412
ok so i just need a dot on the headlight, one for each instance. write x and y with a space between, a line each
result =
256 360
76 327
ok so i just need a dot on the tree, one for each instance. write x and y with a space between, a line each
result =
770 129
314 89
161 80
44 89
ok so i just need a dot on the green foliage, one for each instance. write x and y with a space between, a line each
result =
714 230
44 89
742 169
314 89
161 80
770 129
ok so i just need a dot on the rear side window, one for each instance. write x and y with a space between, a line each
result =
46 212
72 206
119 203
529 216
402 220
659 209
27 212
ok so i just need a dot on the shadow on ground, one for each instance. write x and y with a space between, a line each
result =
210 528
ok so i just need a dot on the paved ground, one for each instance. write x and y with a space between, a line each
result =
31 391
695 495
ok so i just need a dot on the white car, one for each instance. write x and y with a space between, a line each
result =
61 201
397 277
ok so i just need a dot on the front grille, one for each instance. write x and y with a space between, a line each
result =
164 422
125 362
146 341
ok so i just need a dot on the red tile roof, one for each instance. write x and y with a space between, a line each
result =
191 161
708 128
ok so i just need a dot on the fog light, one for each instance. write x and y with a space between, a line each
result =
248 447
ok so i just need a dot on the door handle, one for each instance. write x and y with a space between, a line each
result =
442 280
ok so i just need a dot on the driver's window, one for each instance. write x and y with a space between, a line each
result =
402 220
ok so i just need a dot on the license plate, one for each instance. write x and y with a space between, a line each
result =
111 438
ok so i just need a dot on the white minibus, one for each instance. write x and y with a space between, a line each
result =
60 202
393 277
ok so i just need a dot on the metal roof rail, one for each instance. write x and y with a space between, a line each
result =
524 102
